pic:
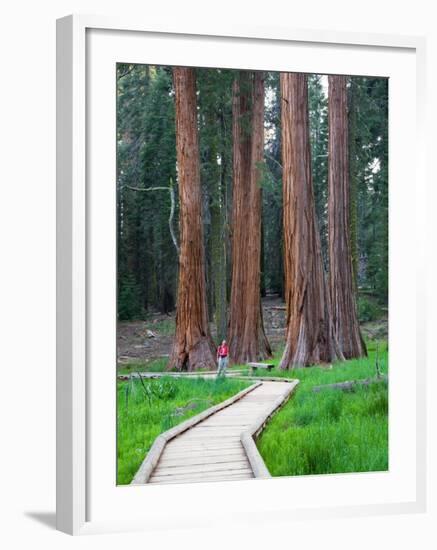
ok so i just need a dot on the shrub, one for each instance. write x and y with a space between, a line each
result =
368 310
129 300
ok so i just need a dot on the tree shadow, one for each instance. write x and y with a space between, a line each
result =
45 518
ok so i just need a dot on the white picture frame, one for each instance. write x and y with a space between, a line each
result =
77 339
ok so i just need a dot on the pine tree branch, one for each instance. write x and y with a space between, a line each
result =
273 160
147 188
126 72
170 219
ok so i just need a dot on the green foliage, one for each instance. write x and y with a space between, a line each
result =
331 431
368 310
129 303
368 155
318 117
136 365
215 151
146 158
272 248
369 162
158 389
147 408
267 182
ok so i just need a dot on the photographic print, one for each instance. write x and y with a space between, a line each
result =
252 274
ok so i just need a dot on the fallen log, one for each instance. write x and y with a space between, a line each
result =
350 384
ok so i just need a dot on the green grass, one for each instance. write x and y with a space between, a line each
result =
154 365
163 327
143 412
331 431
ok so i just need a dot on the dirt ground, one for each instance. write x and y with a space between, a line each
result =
151 339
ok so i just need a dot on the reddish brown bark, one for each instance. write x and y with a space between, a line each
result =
241 107
341 282
247 339
310 335
193 347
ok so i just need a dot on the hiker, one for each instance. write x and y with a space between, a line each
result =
222 356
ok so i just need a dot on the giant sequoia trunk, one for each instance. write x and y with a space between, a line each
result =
219 262
341 282
215 177
353 179
247 339
223 257
310 335
193 347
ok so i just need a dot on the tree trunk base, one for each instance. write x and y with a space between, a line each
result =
247 355
200 357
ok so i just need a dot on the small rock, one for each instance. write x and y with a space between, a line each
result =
182 410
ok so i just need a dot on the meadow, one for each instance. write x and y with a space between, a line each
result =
146 408
325 432
331 431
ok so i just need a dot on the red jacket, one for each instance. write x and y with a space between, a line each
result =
223 351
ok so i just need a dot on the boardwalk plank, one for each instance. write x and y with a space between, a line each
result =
200 451
227 466
212 450
243 470
201 479
201 459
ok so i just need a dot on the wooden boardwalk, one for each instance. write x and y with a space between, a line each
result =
212 450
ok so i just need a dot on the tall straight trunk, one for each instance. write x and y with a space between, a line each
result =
241 134
310 335
247 339
207 215
193 347
263 263
222 282
214 176
218 253
217 248
353 179
341 283
255 344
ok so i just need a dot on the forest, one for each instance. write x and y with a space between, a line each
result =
238 187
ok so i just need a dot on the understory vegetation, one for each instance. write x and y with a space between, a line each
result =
146 408
331 431
368 309
135 365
